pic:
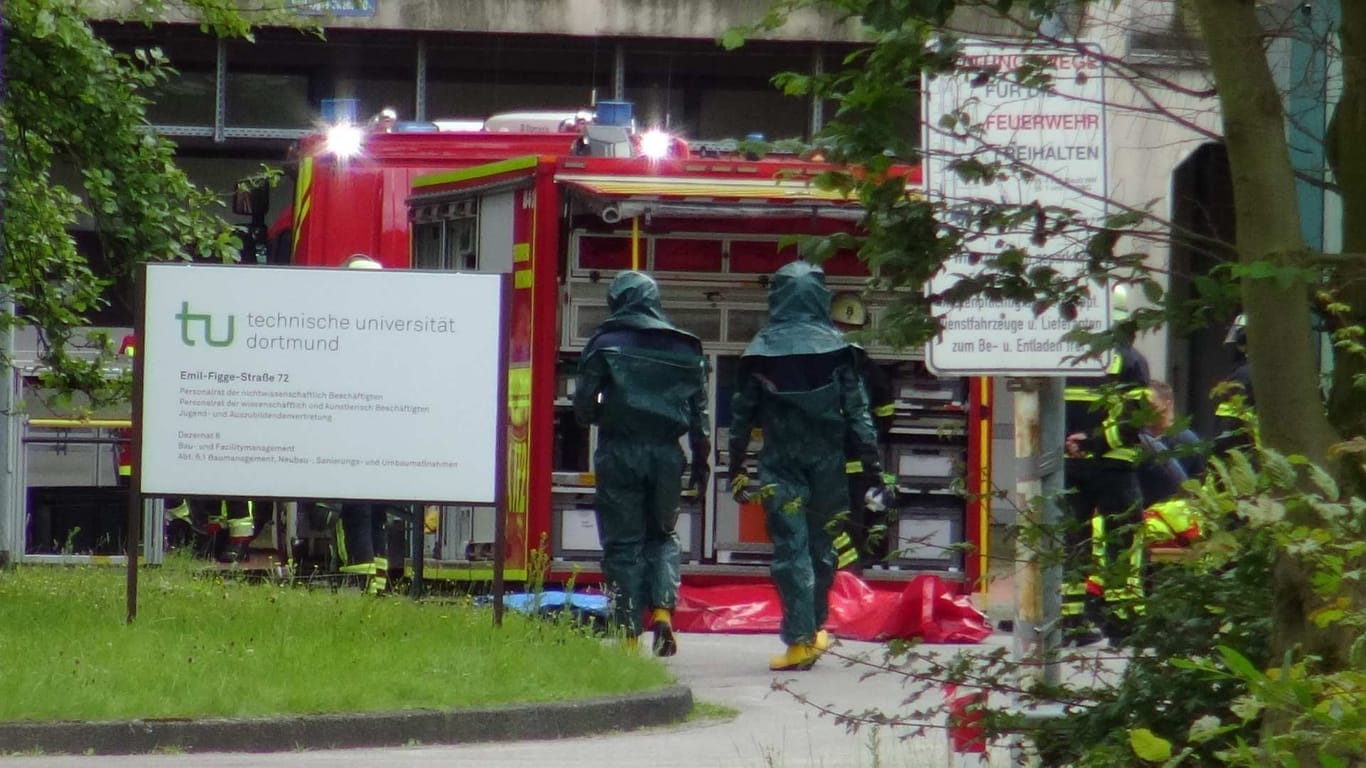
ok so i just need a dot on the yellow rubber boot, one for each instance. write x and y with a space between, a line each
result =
801 656
822 641
665 644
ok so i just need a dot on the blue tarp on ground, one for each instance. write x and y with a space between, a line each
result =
585 608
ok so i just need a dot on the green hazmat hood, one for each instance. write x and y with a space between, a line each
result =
798 315
633 300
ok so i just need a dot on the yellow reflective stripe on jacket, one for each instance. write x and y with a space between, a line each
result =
1110 426
887 409
179 512
379 578
845 552
1112 436
853 467
1080 394
1237 409
1098 539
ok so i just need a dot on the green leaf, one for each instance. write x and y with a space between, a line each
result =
1239 664
1279 469
1205 728
1327 616
733 38
44 25
1324 482
1329 761
1149 746
1241 474
1246 707
1262 511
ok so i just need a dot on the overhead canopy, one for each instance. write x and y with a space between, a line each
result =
622 197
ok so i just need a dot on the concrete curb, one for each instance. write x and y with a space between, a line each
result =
523 722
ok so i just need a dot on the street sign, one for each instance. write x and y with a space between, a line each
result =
1057 136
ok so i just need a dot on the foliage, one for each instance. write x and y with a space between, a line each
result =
1246 656
77 151
203 645
1193 680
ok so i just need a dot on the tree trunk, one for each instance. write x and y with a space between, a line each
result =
1284 370
1347 155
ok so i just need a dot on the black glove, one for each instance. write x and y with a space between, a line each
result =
701 468
701 473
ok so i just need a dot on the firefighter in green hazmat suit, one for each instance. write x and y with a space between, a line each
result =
643 382
798 382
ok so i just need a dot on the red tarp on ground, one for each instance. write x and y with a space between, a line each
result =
926 609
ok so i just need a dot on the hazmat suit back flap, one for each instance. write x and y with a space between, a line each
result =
657 372
806 368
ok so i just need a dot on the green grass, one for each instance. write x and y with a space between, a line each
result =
704 710
207 647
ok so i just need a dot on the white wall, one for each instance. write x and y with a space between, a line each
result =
588 18
1154 122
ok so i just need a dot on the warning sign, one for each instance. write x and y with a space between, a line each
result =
1053 141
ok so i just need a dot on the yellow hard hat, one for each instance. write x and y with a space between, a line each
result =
848 309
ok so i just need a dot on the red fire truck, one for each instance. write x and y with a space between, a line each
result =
710 227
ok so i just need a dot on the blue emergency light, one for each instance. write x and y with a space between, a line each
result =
619 113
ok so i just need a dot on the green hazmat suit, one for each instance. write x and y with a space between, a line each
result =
798 382
643 382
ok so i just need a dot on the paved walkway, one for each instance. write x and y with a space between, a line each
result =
772 730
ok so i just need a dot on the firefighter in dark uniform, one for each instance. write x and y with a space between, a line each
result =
643 382
361 537
1103 451
1235 423
798 382
857 546
182 528
230 526
361 531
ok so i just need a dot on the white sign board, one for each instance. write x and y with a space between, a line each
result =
320 383
1058 135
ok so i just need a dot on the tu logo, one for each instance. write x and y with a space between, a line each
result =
188 319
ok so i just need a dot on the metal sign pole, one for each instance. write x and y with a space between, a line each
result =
1038 580
134 532
500 493
1052 431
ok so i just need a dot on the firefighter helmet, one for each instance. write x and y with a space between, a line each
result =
1119 303
361 261
384 120
848 309
1237 332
